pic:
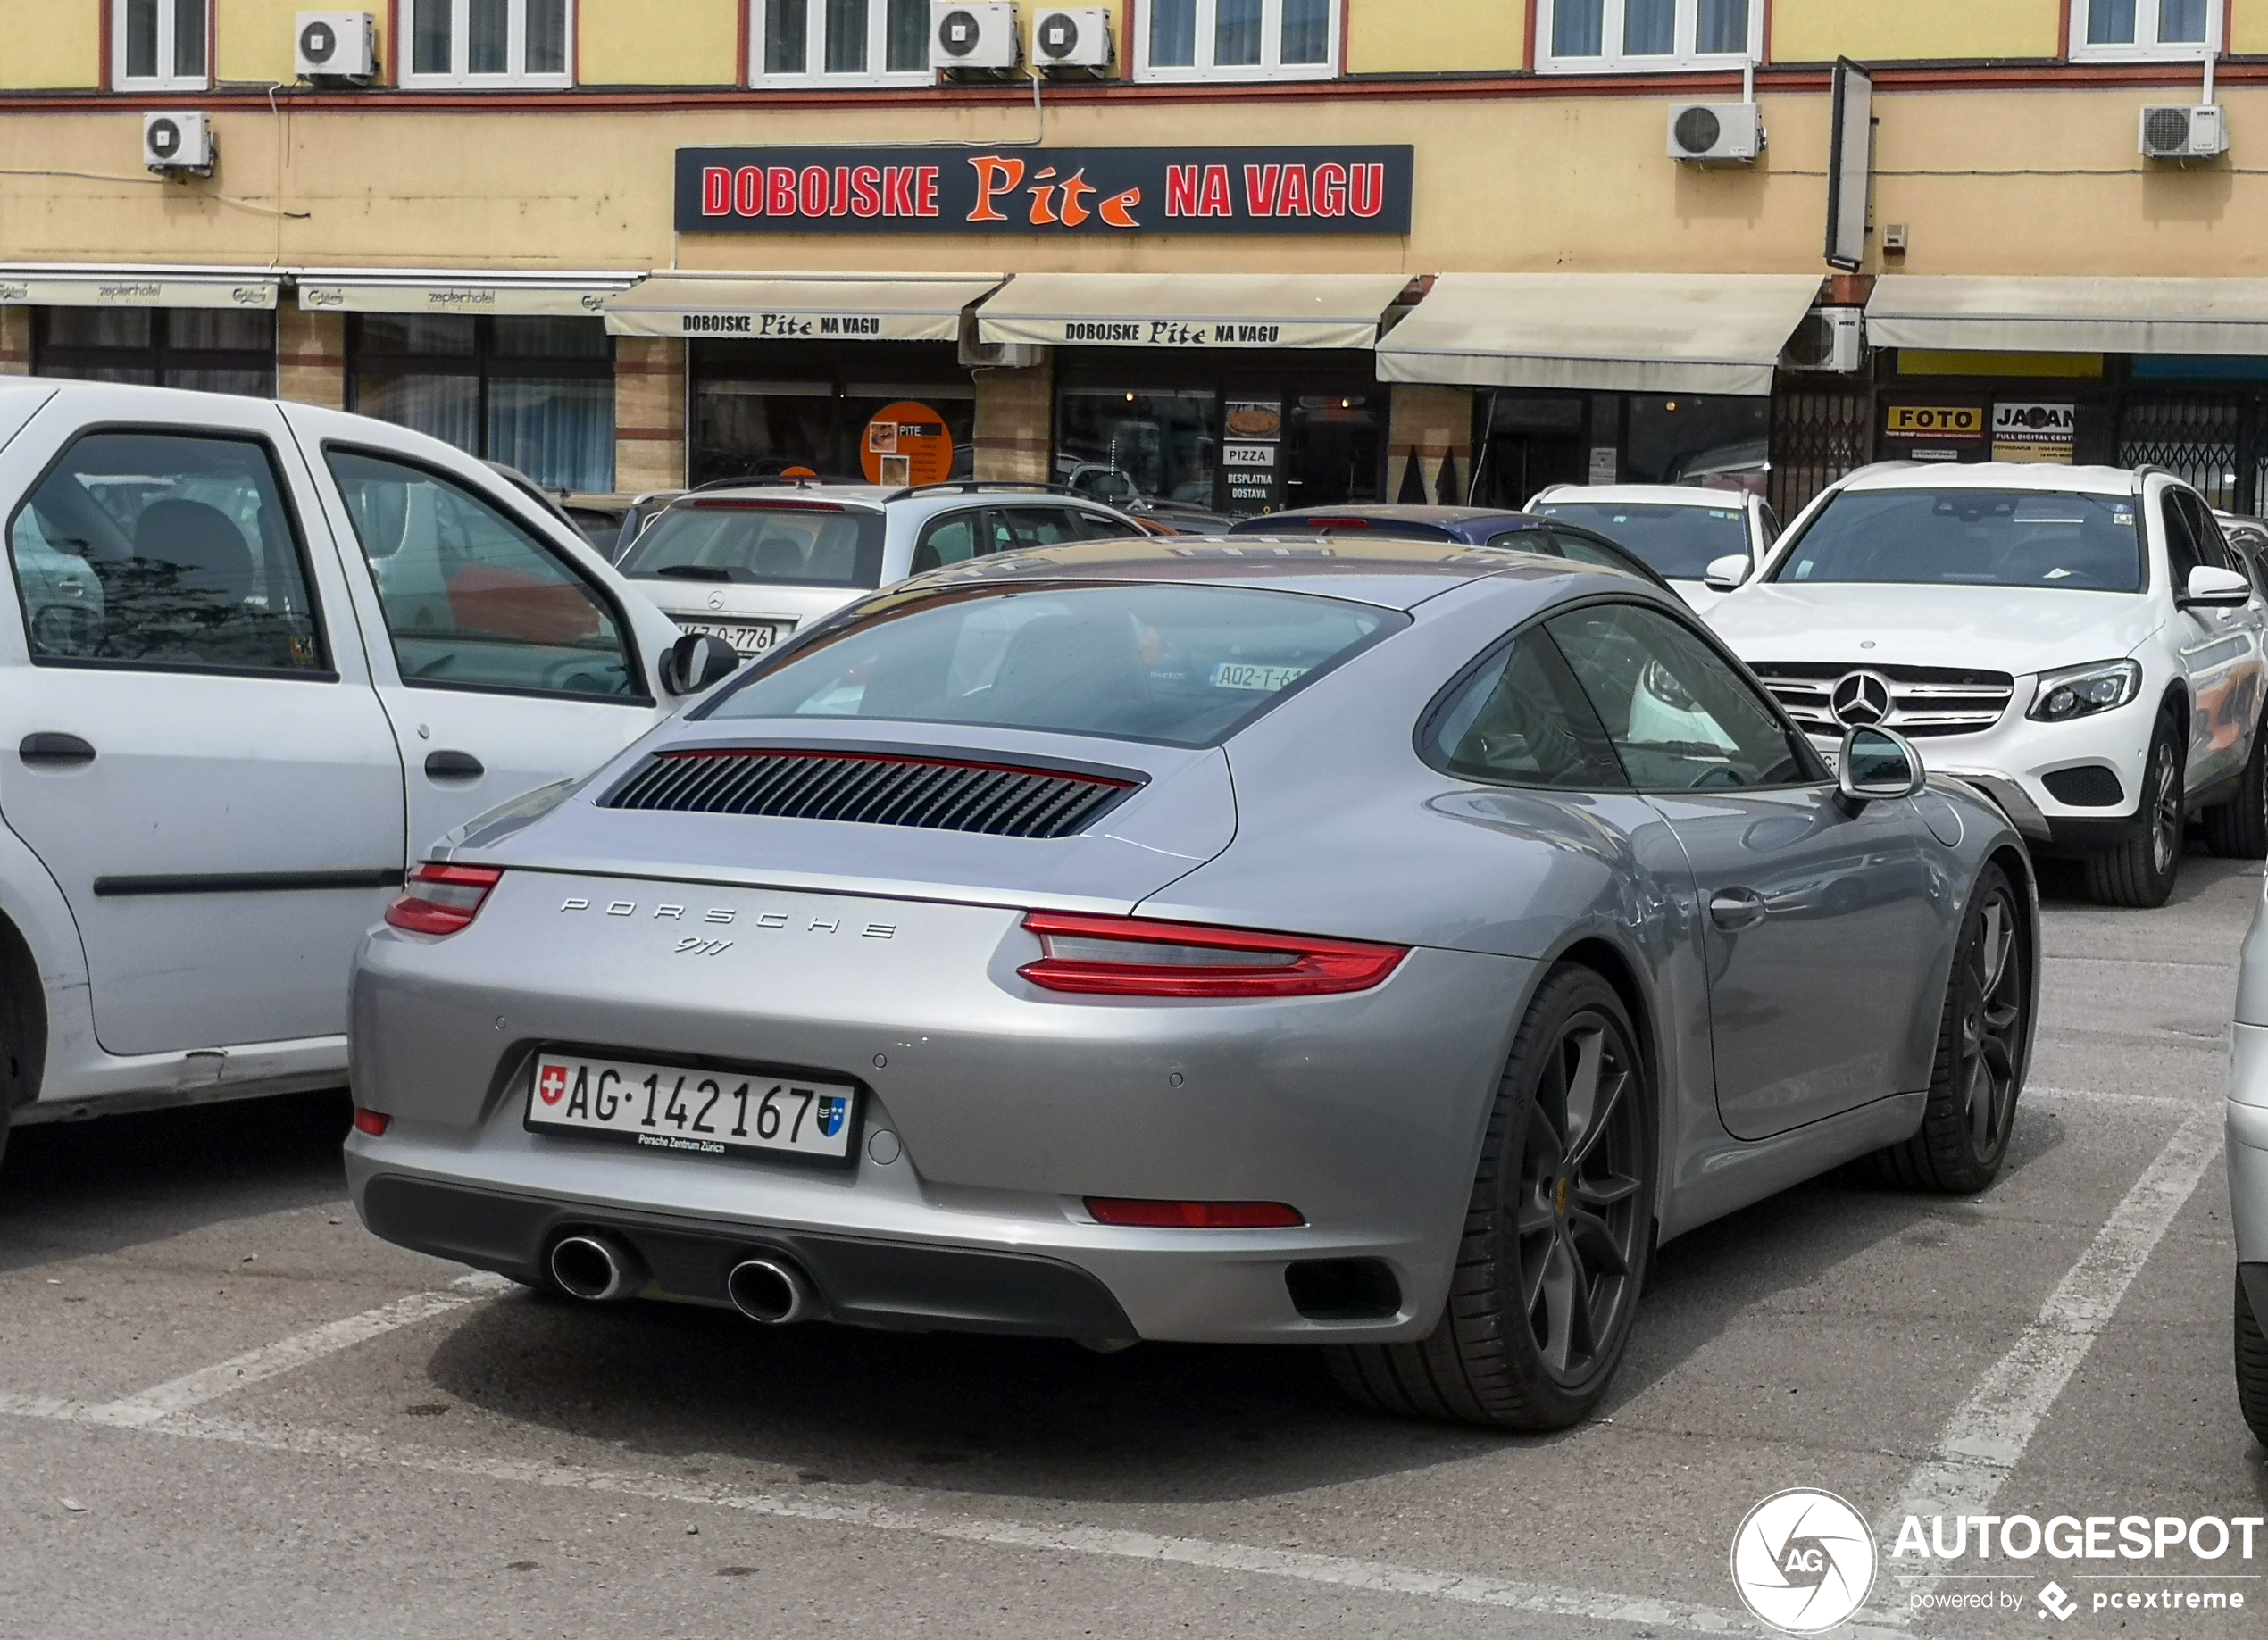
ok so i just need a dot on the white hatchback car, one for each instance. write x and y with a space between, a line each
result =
1679 529
253 658
751 562
2078 641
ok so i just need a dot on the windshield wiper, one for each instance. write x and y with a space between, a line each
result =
691 572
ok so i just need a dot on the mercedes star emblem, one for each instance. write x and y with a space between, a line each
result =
1861 700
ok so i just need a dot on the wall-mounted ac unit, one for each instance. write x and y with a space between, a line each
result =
2183 131
335 46
177 142
981 355
1716 133
1074 39
1828 338
974 34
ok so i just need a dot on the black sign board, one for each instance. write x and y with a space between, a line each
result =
1093 191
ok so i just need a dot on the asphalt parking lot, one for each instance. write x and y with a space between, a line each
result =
224 1408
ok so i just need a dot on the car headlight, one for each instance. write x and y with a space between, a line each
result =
2083 691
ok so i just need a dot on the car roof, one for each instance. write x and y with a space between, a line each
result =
858 494
1446 518
1392 572
1652 494
2041 476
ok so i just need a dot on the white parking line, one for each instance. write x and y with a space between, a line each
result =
1986 1437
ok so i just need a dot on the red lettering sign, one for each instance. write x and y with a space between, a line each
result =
897 190
1368 188
1216 201
1181 189
747 191
1260 184
716 190
781 181
1293 201
925 191
814 191
866 199
1330 190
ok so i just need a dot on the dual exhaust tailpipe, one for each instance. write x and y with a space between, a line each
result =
600 1268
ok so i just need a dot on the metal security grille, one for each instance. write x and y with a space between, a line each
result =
872 789
2193 436
1817 436
1924 700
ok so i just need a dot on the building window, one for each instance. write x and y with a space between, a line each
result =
488 42
2121 30
534 394
839 42
760 409
1640 35
215 350
160 44
1237 40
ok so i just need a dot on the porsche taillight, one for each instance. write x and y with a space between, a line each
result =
441 899
1135 956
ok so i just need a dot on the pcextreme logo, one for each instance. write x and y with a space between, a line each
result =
1803 1562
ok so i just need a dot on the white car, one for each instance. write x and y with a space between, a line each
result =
255 657
1679 529
751 562
2247 1135
2078 641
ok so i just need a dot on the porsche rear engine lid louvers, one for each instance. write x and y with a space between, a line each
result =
934 792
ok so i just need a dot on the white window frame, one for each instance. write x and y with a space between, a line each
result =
165 79
1611 59
1271 46
2145 46
878 18
515 75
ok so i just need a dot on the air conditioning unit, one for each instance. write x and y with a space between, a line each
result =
1828 338
982 355
177 142
1716 133
1079 39
336 45
974 34
2183 130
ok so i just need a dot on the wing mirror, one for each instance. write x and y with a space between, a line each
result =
1878 765
2216 588
696 661
1723 574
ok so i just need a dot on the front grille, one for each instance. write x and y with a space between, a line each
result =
872 788
1925 701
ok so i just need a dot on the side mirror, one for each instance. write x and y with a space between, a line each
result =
1723 574
2216 588
1878 765
696 661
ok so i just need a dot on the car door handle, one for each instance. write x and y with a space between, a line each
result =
1737 908
452 766
49 750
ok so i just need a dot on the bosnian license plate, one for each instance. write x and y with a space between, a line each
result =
747 637
706 1112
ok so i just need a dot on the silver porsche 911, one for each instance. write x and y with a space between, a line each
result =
1382 946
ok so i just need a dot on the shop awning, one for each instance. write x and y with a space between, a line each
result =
47 285
453 290
1629 332
2069 315
1190 310
872 307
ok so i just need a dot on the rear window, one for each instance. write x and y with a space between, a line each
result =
1964 537
1177 665
1678 543
761 544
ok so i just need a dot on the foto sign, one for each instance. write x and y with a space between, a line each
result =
1339 189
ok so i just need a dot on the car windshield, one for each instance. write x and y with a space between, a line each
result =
1680 542
1180 665
761 542
1965 537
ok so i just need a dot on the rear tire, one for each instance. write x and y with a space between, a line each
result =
1558 1234
2139 872
2252 1366
1983 1041
2237 830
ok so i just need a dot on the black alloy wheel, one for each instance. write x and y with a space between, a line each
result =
2237 830
2140 872
1557 1236
1984 1039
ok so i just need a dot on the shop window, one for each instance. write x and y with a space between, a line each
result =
213 350
1237 40
160 44
476 42
839 42
2121 30
1699 438
1639 35
753 419
1241 445
535 393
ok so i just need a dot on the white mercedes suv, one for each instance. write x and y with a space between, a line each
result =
2080 642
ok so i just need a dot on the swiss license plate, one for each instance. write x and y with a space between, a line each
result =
700 1112
747 637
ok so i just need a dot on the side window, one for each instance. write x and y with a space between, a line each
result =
165 550
1527 541
1681 718
2213 548
2181 554
1771 521
1584 550
1101 527
951 539
472 600
1521 718
1040 526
